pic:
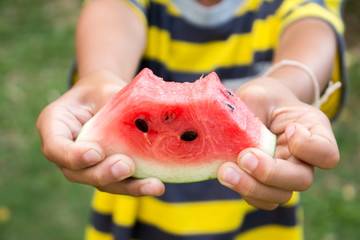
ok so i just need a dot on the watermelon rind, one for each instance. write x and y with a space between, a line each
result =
183 173
177 173
267 142
114 130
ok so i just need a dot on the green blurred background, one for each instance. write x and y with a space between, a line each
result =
37 202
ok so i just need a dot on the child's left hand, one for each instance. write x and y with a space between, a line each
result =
304 140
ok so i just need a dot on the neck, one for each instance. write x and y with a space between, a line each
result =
208 3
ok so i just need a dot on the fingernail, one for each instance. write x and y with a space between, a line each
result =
147 189
120 169
289 131
92 156
231 176
249 162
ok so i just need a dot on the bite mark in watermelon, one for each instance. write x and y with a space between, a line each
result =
177 132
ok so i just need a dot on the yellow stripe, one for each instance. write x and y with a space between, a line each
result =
92 234
138 11
314 10
126 210
266 33
288 6
334 6
204 57
122 208
103 202
332 105
295 200
276 232
143 3
237 50
272 233
163 2
247 6
202 217
186 218
74 77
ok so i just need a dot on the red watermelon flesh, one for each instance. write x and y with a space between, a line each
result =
177 132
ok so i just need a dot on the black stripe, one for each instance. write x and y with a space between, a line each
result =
101 222
182 30
198 191
282 216
104 223
72 73
161 70
344 76
148 232
245 71
123 233
319 2
224 72
341 44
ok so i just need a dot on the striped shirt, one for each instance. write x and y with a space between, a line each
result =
236 39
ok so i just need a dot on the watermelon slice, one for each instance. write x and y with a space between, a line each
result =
177 132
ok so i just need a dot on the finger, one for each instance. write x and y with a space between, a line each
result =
290 175
136 187
316 146
112 169
238 180
261 204
58 126
72 155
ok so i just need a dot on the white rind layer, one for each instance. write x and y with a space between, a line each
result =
181 173
267 141
176 173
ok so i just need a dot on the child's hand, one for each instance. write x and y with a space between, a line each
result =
305 140
60 123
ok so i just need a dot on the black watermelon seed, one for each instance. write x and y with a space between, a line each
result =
169 117
228 92
231 107
141 124
189 136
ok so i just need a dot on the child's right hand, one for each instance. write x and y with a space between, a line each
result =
60 123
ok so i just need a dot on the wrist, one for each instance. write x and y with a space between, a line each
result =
97 87
293 73
100 80
262 95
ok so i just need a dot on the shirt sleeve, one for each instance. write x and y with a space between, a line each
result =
140 8
330 11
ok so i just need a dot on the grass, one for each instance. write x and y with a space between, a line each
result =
331 203
37 202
